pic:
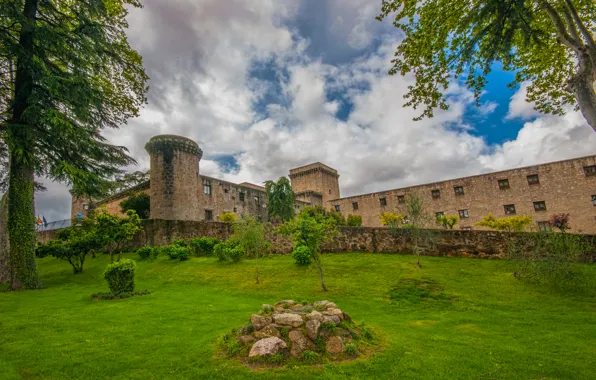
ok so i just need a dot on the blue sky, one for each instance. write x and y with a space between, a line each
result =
267 85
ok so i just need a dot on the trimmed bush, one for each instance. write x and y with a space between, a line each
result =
121 276
354 220
180 243
180 253
145 252
228 251
203 246
165 250
301 255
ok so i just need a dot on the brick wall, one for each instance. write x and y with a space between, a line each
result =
317 178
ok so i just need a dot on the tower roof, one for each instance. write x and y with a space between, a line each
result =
317 166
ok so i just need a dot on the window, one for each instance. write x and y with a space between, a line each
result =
533 179
257 200
463 214
459 190
329 191
401 199
435 193
383 201
590 170
540 206
466 228
337 208
355 205
235 209
207 188
544 226
439 213
226 191
509 209
241 196
593 200
208 215
503 184
86 206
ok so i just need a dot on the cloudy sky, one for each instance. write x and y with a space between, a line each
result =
267 85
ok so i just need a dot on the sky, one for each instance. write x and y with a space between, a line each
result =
264 86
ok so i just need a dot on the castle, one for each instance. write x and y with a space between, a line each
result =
179 192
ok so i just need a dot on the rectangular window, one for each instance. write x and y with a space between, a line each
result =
257 200
86 206
355 205
463 214
207 188
533 179
540 206
235 209
208 215
226 191
593 200
503 184
401 199
590 170
241 196
337 208
459 190
435 193
466 228
439 213
383 201
509 209
544 226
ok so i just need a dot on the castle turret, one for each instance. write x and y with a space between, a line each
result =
315 183
175 183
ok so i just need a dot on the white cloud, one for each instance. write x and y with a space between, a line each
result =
519 107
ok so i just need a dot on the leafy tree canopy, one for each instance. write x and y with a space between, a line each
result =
549 43
139 202
280 199
511 223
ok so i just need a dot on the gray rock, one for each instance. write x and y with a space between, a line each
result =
266 306
284 303
336 312
331 319
315 315
334 345
267 332
258 321
267 346
312 328
288 319
300 343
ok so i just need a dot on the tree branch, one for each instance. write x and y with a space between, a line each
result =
582 27
564 37
572 28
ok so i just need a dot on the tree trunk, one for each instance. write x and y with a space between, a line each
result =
582 87
321 275
257 267
21 207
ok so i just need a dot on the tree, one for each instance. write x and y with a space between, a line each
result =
139 202
67 73
549 43
447 221
416 225
560 221
311 228
115 232
511 223
391 219
280 199
354 220
126 181
250 235
228 217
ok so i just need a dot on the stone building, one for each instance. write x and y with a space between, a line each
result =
179 192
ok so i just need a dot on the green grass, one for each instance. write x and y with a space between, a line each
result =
452 319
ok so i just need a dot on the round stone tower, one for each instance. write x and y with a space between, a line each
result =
174 177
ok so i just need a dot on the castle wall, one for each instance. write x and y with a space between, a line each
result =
229 197
317 178
563 186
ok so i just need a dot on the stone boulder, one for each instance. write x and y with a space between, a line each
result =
246 339
312 328
267 332
334 319
288 319
335 345
315 315
300 343
267 346
258 321
331 312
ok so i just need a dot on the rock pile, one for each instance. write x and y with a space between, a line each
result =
290 328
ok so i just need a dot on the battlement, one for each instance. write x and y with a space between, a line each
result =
312 168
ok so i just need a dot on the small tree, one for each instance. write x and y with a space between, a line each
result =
280 199
391 219
510 223
228 217
139 202
560 221
115 232
416 220
338 216
250 235
447 221
311 228
354 220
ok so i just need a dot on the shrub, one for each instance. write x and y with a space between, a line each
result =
180 243
180 253
203 246
390 218
351 349
301 255
234 348
276 359
121 276
339 218
164 250
228 217
354 220
228 251
145 252
511 223
447 221
560 221
309 356
139 202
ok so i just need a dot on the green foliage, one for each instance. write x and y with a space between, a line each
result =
250 235
416 226
391 219
338 216
203 246
121 276
179 253
228 217
67 72
351 349
309 356
145 252
302 255
139 202
124 182
116 232
549 258
180 243
510 223
234 348
280 199
311 228
275 359
549 44
228 251
354 220
447 221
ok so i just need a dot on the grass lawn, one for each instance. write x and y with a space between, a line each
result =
474 321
